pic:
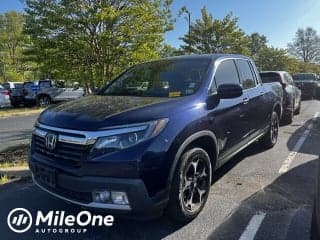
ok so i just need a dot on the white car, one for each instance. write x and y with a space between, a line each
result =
4 97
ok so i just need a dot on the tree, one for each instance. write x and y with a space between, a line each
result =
11 36
209 35
306 45
12 42
257 43
169 51
94 40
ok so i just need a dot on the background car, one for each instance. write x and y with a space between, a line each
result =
18 95
45 92
4 97
12 85
309 84
291 94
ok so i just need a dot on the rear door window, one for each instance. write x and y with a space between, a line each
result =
246 75
45 84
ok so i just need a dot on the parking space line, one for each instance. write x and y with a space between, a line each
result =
286 164
253 226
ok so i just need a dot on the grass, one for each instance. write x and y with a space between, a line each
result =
14 157
4 179
10 112
13 164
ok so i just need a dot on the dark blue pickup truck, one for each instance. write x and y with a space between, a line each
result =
144 150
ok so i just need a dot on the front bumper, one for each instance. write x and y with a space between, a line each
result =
78 190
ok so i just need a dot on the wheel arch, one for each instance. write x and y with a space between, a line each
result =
204 139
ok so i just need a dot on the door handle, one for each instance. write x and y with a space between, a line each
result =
246 100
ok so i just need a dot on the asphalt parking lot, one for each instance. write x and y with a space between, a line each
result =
16 130
257 195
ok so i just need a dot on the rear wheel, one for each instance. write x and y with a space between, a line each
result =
271 138
15 104
297 112
288 118
44 101
191 185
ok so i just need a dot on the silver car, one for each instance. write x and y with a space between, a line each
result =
4 97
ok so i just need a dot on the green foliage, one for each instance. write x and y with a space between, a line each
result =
93 40
169 51
257 43
209 35
12 42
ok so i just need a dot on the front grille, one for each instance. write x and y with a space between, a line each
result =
64 153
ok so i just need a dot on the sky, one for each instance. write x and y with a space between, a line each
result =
276 19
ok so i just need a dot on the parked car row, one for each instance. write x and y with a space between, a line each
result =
43 92
291 103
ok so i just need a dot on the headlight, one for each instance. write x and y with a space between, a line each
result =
125 137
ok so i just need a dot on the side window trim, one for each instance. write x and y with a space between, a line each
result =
253 73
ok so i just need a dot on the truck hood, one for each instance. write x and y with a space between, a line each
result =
95 112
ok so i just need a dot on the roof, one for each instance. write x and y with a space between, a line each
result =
206 56
280 72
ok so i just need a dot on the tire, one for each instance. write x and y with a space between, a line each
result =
44 101
297 112
190 186
288 118
271 137
15 104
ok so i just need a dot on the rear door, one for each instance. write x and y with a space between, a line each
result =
230 115
257 113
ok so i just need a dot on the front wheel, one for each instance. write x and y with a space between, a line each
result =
191 185
271 138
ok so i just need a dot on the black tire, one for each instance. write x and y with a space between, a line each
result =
297 112
191 185
271 137
44 101
288 118
15 104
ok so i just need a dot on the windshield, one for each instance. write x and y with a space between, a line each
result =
166 78
304 77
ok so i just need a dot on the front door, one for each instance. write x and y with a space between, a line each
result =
231 115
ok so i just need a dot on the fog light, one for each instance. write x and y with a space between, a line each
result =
101 196
119 198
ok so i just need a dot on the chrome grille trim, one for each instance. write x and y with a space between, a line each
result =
89 137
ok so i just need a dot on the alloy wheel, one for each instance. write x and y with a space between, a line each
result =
274 130
195 184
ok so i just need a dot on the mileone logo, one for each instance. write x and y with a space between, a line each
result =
20 220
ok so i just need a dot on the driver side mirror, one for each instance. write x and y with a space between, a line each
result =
227 91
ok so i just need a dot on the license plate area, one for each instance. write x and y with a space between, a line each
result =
45 175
